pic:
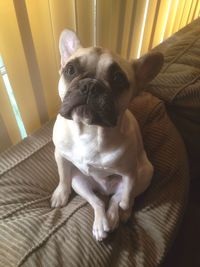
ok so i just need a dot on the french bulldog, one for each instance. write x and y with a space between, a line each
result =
98 144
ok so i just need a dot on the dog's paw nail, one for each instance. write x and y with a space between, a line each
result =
106 226
124 205
99 235
100 228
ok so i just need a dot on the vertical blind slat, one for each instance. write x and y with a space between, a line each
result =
32 64
185 14
45 51
8 126
127 28
158 4
192 9
5 141
139 16
149 26
132 27
85 21
197 10
121 26
179 13
15 60
171 18
62 16
103 23
160 23
116 13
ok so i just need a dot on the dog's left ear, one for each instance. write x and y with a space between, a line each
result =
68 44
147 67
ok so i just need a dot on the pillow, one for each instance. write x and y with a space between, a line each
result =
34 234
178 84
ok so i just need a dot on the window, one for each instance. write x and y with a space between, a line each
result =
12 99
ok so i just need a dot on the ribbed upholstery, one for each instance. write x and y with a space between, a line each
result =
33 234
178 85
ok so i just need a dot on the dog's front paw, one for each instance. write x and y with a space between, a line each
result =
124 204
60 196
100 228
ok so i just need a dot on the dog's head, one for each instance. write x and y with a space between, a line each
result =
96 86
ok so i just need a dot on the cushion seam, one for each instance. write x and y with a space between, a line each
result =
24 158
46 237
179 55
183 87
160 104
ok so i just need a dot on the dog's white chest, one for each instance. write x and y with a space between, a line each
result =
86 152
86 159
82 151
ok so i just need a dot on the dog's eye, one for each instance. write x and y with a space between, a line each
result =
118 77
70 70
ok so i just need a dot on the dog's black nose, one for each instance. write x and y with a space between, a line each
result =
90 87
84 89
87 86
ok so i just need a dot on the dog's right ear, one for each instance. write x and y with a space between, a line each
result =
68 44
147 67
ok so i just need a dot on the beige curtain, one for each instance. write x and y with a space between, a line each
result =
29 33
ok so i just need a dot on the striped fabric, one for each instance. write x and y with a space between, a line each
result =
33 234
178 85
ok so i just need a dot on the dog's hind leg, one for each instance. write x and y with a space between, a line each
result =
85 187
113 211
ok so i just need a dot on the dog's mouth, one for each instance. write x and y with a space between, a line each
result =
91 102
97 111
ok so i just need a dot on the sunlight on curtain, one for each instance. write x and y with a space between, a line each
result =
29 35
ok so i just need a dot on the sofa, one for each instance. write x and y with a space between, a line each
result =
168 111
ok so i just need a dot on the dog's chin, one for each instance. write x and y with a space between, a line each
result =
78 119
82 114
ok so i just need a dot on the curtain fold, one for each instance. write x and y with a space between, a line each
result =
29 35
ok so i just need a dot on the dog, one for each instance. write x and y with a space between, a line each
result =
98 144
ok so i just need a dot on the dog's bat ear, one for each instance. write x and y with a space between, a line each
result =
147 67
68 44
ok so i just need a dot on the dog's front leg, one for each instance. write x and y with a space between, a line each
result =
63 190
85 187
127 195
123 197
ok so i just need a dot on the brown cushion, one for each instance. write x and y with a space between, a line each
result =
178 85
34 234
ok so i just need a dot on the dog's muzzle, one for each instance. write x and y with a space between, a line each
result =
91 101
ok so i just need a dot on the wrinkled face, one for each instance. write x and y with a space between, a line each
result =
95 87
